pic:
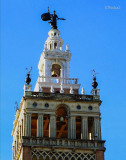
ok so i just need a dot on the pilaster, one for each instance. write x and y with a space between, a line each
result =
73 127
40 125
52 126
28 124
84 127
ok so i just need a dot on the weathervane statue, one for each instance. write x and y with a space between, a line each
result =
52 17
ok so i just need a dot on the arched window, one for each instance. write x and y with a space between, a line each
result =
55 45
78 127
46 125
50 46
34 118
56 70
90 128
62 122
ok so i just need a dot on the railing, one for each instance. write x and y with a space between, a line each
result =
58 80
59 96
63 143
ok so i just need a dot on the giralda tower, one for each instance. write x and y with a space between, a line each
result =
54 121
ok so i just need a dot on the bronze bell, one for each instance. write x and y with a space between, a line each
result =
62 121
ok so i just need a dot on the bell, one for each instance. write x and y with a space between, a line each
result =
61 122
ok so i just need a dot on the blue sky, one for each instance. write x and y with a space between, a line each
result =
97 40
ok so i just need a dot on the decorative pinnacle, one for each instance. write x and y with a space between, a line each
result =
28 79
94 83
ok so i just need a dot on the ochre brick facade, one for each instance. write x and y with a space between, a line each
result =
99 155
26 153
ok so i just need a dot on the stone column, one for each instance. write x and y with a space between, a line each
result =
73 127
40 125
28 124
97 128
84 127
52 126
69 128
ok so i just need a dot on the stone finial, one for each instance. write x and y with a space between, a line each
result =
61 89
71 90
67 47
82 91
28 79
52 89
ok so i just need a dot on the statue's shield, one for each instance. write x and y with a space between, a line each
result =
45 17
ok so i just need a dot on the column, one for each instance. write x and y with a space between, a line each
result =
69 127
28 124
40 125
96 128
52 126
99 130
84 127
73 127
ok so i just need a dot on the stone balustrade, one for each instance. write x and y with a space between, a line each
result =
58 96
58 80
63 143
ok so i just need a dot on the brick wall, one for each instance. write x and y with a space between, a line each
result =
26 153
99 155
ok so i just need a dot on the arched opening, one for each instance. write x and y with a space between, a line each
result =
90 128
78 127
62 122
50 46
34 119
46 125
55 45
56 70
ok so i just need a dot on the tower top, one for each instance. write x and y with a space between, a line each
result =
52 18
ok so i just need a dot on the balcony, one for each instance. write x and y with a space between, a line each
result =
63 143
58 80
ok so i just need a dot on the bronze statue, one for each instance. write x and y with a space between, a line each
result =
52 17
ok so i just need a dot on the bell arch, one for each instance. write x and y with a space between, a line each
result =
56 70
62 114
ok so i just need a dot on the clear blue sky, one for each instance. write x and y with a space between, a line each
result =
97 40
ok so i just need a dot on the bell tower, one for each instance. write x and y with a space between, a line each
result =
54 67
55 121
